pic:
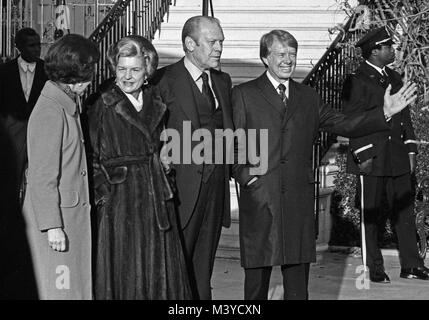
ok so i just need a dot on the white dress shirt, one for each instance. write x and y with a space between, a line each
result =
137 103
26 74
382 71
276 84
196 76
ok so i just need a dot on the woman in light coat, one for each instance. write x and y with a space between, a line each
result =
56 206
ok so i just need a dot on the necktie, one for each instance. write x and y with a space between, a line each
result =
26 69
207 92
282 93
385 77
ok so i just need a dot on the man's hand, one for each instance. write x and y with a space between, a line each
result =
57 239
395 103
412 157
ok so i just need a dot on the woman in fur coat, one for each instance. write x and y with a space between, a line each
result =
138 249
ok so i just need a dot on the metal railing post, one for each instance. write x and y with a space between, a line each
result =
205 8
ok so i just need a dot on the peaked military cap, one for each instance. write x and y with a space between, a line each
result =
373 38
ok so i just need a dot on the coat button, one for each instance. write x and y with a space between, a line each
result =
84 204
390 138
83 172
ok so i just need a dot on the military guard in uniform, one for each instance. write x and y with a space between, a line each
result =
384 160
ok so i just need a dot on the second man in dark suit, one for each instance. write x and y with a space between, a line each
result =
198 95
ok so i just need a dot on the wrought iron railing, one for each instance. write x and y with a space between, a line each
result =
327 77
206 4
13 16
142 17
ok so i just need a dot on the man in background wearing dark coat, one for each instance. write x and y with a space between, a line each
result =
198 96
384 160
21 81
277 208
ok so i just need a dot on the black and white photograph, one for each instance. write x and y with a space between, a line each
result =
214 155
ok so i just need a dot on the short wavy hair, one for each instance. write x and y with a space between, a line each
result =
71 59
268 39
134 46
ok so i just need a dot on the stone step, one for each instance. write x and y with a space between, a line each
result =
233 32
244 53
258 15
257 3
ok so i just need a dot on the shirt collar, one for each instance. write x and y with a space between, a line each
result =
137 103
380 70
26 65
193 69
276 84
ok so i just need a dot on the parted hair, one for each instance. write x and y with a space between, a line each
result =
134 46
268 39
71 59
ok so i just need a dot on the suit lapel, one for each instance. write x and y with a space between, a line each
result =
222 94
182 83
373 75
16 79
38 82
270 94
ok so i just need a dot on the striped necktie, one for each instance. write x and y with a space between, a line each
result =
282 93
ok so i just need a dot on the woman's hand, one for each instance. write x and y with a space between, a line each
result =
57 239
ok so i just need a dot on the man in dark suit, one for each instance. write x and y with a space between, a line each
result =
384 160
276 208
21 81
198 95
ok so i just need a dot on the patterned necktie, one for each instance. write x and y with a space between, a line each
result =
282 93
207 91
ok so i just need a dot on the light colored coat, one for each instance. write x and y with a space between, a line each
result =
57 196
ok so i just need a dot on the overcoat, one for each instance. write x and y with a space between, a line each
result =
364 91
138 250
277 219
58 196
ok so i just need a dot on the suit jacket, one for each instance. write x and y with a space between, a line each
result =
175 85
363 92
277 211
15 110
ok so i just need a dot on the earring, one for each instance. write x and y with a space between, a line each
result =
80 84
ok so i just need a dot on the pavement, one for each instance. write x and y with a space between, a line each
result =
336 275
